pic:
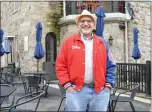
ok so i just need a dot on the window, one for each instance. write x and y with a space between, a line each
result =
76 7
15 6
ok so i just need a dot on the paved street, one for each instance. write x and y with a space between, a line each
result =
51 103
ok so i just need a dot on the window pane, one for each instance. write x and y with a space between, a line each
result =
108 6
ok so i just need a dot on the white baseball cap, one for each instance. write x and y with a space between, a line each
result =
85 13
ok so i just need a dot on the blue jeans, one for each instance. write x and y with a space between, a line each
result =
87 99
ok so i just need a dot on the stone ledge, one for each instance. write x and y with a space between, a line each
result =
70 19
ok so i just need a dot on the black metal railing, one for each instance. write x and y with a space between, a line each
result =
129 73
76 7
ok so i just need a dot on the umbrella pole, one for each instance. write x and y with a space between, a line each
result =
0 63
37 65
7 59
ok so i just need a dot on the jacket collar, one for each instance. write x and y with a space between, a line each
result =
95 38
82 36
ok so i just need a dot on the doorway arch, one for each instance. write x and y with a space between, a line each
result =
51 47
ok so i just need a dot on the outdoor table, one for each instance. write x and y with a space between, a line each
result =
34 82
5 92
39 73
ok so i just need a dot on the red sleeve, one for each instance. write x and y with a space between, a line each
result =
61 65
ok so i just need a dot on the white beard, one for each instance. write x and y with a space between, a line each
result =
86 31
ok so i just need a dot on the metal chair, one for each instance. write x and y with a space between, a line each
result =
50 68
8 100
50 79
15 72
63 93
18 71
37 83
8 78
6 69
37 95
133 88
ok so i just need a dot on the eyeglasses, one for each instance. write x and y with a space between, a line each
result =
88 21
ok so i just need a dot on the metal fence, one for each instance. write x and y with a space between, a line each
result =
128 73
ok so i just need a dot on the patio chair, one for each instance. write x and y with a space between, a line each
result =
63 94
114 99
7 68
18 71
37 96
8 100
51 77
15 71
8 78
37 83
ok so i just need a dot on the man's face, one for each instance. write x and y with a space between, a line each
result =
86 25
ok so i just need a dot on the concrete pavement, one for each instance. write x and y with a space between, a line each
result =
51 103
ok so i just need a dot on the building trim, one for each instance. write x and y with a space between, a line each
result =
70 19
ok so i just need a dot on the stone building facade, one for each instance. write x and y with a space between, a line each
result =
142 20
21 22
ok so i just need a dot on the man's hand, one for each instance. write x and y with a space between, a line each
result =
70 89
106 89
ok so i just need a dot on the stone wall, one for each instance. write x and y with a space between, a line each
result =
142 12
118 46
142 18
22 23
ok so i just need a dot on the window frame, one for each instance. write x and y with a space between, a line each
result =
16 6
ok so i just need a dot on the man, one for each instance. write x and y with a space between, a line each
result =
85 68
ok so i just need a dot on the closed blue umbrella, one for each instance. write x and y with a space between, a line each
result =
136 52
100 21
2 51
39 51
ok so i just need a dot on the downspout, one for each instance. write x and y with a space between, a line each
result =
126 34
0 28
151 42
64 9
126 43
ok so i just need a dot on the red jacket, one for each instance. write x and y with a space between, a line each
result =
70 62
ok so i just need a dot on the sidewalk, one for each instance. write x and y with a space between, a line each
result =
140 104
138 98
51 103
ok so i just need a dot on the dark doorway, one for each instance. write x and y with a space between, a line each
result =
51 47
